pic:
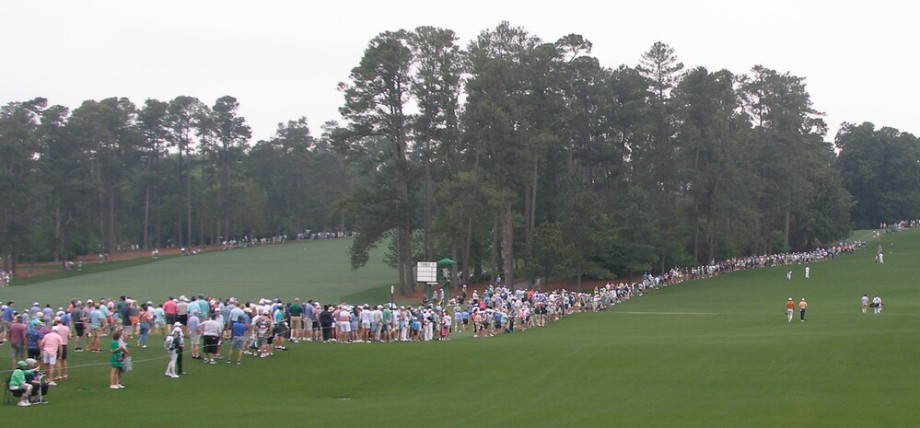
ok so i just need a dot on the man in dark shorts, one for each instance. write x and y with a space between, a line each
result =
182 311
210 332
78 317
170 306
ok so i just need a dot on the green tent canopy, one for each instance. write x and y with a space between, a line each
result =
446 262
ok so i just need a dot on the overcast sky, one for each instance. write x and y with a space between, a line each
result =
284 59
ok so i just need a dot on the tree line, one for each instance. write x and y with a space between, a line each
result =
511 155
112 175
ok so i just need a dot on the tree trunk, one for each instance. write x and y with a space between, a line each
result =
113 239
496 250
530 210
146 237
508 246
467 247
429 251
188 200
788 219
179 226
58 239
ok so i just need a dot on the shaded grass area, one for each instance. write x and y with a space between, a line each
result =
716 352
24 278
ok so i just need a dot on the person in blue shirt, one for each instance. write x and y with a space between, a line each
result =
237 340
33 338
6 321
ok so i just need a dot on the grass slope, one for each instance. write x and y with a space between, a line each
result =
310 269
713 352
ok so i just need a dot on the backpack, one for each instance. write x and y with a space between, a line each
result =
168 343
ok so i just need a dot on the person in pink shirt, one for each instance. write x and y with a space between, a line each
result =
17 340
63 331
51 348
170 307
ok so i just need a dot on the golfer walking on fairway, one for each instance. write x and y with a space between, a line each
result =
803 305
790 309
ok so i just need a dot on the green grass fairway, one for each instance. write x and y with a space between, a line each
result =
712 353
309 269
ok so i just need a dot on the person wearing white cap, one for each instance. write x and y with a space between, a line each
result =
97 323
51 344
790 309
172 342
182 313
180 346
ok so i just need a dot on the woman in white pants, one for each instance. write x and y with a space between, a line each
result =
171 344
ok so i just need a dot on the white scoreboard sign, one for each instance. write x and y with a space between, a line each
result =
426 272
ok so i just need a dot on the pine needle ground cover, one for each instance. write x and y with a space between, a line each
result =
716 352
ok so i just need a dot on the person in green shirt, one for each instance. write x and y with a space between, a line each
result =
296 312
119 353
18 382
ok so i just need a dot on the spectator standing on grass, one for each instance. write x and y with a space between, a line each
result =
63 331
194 336
180 346
125 312
235 314
170 306
33 337
278 328
325 322
119 353
78 320
296 311
171 342
97 323
6 319
17 340
210 332
108 320
309 321
790 309
159 320
50 345
182 313
195 309
237 340
203 307
145 317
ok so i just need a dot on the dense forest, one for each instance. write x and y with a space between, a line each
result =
512 155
